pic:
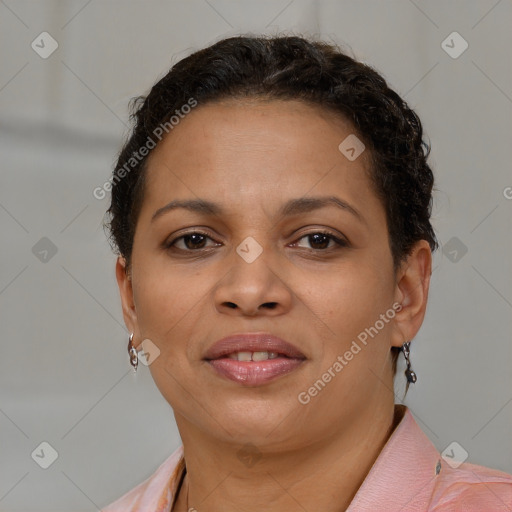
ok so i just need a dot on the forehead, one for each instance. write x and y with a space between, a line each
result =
247 150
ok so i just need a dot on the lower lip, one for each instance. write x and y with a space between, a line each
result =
254 373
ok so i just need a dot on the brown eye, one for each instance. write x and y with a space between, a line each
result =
190 242
322 241
194 241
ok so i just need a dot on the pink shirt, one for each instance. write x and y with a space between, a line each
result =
409 475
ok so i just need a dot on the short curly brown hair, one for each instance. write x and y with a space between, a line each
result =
289 68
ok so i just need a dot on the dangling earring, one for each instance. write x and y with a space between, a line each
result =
411 376
134 360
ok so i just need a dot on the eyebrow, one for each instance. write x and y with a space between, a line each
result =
291 207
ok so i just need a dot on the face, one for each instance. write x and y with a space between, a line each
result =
272 255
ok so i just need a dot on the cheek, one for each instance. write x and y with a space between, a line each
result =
350 300
164 293
170 307
166 305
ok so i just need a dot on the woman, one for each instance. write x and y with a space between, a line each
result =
271 212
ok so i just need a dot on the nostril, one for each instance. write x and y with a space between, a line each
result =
269 305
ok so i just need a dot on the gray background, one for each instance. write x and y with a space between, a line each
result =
65 377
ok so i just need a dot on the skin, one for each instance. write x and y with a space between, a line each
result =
251 157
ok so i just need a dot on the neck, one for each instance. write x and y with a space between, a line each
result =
321 476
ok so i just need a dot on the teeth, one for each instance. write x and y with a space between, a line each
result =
253 356
244 356
260 356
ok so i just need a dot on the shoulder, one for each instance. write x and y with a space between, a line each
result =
472 488
411 475
154 493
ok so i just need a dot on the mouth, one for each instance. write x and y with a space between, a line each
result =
253 359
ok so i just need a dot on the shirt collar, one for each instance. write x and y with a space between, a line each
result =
401 478
404 473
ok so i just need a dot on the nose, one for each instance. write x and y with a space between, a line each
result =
252 289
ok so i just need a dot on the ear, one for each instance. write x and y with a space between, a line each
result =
412 284
124 282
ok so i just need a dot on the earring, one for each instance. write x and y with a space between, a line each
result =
134 360
411 376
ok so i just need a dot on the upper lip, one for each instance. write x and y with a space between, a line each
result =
252 342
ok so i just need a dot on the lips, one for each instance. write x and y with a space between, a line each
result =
253 359
252 342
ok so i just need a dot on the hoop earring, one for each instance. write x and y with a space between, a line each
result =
132 351
409 373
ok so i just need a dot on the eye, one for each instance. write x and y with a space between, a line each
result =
189 242
195 241
321 240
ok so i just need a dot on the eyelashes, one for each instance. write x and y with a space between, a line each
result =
196 241
187 237
320 237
